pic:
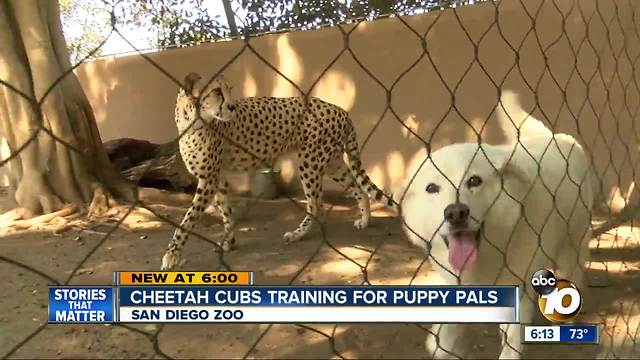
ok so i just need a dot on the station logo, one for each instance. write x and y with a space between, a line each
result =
559 300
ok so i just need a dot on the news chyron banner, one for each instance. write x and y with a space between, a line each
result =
232 297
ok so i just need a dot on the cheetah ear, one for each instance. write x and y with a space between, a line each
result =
226 87
189 81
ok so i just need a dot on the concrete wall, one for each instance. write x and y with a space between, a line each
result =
578 60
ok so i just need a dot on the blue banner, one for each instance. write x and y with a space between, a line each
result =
587 334
81 304
476 296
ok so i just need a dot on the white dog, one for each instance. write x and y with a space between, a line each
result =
497 214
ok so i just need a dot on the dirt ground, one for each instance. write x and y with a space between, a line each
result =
381 249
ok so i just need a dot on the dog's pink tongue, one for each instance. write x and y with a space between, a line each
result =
463 250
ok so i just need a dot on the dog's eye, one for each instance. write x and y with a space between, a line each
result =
432 188
474 181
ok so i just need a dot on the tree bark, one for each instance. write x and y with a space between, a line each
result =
45 118
150 165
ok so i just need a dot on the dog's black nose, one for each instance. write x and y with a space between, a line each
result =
456 213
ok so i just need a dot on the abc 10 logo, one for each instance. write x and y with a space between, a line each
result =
559 300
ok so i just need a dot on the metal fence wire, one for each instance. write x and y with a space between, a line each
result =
610 93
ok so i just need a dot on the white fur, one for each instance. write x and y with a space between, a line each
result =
519 221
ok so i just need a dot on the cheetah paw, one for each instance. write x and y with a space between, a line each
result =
360 224
225 246
171 260
290 236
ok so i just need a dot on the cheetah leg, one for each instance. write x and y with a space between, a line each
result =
339 172
312 186
171 257
222 204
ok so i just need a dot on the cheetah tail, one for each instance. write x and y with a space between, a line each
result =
361 178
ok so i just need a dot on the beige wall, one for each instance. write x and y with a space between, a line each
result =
133 99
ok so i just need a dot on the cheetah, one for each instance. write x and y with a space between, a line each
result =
220 133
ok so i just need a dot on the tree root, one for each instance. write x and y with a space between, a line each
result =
19 219
100 215
58 221
100 204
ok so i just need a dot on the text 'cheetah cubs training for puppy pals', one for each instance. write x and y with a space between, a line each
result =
219 133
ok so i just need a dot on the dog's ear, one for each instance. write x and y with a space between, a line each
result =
508 166
189 81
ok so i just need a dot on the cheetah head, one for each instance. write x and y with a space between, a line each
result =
203 105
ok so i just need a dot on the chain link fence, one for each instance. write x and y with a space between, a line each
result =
608 95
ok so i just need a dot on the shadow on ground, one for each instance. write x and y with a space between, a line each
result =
338 255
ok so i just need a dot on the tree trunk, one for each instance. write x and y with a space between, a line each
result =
51 133
231 18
